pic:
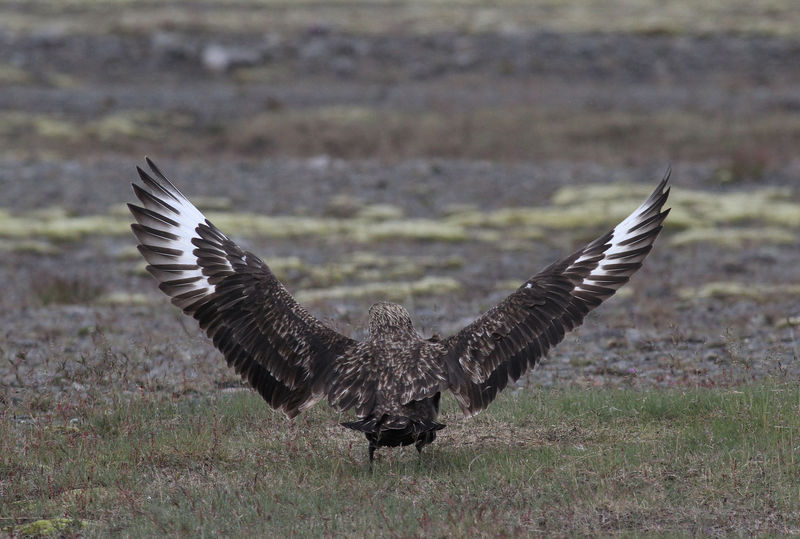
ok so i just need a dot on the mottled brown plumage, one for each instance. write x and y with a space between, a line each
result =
393 380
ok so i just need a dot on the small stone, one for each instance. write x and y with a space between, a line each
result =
220 59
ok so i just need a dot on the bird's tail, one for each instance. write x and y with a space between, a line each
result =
388 429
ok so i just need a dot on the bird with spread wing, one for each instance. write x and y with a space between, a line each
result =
394 379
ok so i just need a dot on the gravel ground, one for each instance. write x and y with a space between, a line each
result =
652 335
62 336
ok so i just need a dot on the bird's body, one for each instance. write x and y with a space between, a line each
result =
401 412
394 379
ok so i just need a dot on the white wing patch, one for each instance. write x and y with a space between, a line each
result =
630 243
167 226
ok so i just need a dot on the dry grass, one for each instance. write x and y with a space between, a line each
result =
747 148
556 461
524 132
52 289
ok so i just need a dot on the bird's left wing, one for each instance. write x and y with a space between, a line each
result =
264 333
511 337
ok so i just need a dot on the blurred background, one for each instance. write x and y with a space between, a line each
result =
432 153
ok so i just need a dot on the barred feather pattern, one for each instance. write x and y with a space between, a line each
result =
265 335
512 337
392 368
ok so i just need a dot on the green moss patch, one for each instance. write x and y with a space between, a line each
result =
50 527
13 75
690 207
115 127
24 245
767 215
734 237
55 224
124 298
364 266
750 290
394 291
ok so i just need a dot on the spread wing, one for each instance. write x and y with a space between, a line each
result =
265 335
510 338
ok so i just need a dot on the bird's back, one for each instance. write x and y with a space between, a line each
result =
387 376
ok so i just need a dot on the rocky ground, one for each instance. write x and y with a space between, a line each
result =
432 164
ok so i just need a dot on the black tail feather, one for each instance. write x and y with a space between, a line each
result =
393 431
368 425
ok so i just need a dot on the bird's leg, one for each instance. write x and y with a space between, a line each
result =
420 443
371 453
423 440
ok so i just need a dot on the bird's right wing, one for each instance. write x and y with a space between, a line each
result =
263 332
513 336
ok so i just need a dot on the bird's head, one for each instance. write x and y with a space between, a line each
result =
389 319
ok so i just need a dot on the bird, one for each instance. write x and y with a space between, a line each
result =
394 378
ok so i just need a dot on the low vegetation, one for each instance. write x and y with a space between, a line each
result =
675 412
776 17
525 132
767 214
697 461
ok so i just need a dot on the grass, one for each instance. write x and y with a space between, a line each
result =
517 132
669 461
65 290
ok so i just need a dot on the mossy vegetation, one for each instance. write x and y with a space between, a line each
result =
690 207
765 215
51 527
393 291
125 298
755 291
13 75
114 128
735 237
363 266
55 224
24 245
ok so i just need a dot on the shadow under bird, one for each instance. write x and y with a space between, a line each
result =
394 379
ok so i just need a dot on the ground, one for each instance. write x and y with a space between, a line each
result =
435 156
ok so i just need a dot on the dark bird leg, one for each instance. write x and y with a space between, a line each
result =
371 453
419 447
423 440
